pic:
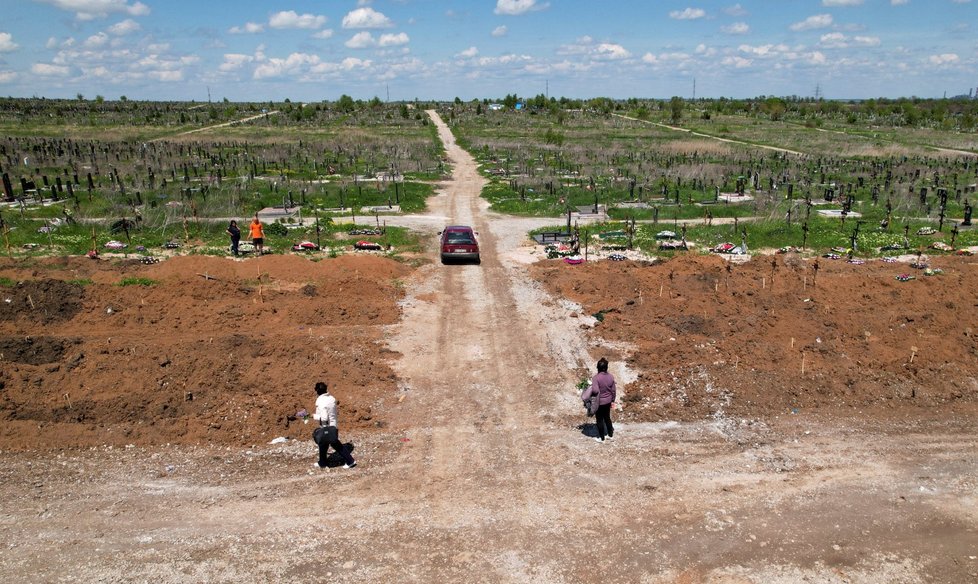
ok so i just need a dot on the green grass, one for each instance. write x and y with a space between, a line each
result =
137 281
7 282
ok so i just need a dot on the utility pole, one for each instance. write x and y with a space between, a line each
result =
694 89
208 94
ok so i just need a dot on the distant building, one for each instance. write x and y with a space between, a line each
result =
495 107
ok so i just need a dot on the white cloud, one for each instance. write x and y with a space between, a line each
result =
468 53
664 58
248 28
366 18
235 61
517 7
326 33
834 40
816 58
763 50
611 52
7 76
48 70
841 2
899 2
961 1
96 40
736 62
736 28
291 19
7 43
125 27
92 9
687 14
509 59
837 40
813 22
500 31
291 65
586 46
736 10
393 40
944 59
361 40
705 51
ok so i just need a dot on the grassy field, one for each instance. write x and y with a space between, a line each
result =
146 173
545 161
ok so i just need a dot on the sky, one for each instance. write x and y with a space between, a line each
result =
270 50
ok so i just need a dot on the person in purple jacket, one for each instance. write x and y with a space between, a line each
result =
603 385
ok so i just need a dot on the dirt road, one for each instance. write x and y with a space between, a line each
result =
486 473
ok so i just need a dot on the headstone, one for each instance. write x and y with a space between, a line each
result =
8 189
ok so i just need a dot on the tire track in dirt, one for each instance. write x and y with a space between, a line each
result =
477 355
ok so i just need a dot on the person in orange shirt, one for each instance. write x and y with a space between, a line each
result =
257 236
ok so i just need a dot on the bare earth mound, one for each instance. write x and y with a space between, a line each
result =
707 339
205 351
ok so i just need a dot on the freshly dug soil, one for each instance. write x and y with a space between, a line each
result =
772 336
211 350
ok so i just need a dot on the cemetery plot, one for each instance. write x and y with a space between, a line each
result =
551 161
112 182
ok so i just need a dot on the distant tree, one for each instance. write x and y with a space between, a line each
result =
676 105
99 99
123 98
375 103
774 107
404 111
345 103
80 97
968 121
458 100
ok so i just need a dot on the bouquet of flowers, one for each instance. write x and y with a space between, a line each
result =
303 415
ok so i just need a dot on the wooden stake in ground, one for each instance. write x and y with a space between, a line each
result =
94 243
261 298
913 353
6 238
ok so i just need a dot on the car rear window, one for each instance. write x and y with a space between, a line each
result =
459 237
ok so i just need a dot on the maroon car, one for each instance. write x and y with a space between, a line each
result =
458 242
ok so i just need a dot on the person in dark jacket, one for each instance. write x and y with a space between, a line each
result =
235 234
603 386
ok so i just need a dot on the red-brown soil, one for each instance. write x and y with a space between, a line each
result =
209 353
709 339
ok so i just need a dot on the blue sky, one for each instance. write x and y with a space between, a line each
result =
251 50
